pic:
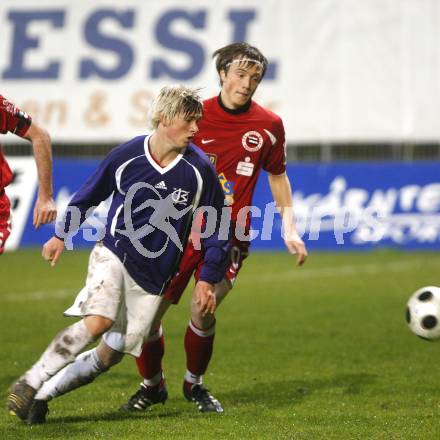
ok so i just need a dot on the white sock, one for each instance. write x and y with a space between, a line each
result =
155 380
193 378
86 367
60 352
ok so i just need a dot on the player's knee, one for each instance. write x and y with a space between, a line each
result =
97 325
196 309
221 290
197 313
202 322
108 355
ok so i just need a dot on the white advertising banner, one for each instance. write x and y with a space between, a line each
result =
340 70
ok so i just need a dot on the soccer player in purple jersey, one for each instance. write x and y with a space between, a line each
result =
157 182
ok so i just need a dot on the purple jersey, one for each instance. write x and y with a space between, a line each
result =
151 212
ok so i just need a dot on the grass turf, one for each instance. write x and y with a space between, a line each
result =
320 352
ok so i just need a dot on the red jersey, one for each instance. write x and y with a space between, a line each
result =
240 144
13 120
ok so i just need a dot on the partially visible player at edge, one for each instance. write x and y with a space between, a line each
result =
241 137
13 120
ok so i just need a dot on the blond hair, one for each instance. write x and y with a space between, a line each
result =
175 100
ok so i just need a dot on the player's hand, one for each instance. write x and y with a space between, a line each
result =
44 211
296 246
52 250
205 297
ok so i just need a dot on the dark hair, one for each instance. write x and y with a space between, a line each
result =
225 55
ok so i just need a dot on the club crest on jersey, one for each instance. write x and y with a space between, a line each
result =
252 141
228 189
180 196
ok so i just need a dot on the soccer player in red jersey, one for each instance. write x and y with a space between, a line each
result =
241 138
15 121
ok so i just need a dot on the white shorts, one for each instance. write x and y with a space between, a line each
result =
112 293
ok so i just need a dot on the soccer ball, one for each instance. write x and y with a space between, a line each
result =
423 312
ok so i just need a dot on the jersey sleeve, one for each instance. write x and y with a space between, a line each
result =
215 247
12 119
98 187
275 162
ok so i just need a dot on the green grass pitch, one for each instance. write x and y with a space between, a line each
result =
319 352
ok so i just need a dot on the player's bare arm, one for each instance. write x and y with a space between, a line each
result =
52 250
44 210
282 195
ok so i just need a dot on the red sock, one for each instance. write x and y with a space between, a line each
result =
199 345
149 362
